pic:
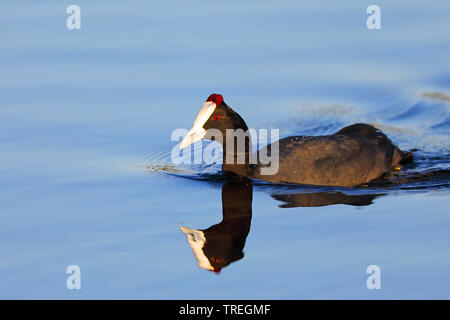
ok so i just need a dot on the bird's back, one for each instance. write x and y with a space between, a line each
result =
354 155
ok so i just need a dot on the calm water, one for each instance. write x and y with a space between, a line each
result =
86 178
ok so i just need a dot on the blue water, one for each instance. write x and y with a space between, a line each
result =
87 115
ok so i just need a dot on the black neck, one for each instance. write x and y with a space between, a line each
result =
239 162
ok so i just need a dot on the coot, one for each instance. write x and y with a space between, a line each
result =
352 156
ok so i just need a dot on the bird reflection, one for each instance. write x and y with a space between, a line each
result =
320 199
223 243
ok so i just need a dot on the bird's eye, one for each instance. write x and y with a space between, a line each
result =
217 117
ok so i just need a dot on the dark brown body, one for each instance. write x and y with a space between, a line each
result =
352 156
